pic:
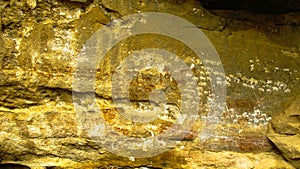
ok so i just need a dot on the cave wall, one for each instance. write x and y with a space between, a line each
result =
41 41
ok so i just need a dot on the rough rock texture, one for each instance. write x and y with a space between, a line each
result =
284 132
40 42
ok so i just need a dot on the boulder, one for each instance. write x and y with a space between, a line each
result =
284 132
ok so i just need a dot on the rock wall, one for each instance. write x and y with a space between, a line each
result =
41 41
284 133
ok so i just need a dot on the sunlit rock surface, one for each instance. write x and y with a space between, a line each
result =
40 42
285 133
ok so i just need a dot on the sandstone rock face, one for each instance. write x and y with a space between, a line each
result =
285 133
42 126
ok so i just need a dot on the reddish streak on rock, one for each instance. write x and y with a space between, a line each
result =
240 144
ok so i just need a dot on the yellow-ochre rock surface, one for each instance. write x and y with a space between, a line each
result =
41 109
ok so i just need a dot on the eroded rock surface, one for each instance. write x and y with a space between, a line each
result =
284 132
40 42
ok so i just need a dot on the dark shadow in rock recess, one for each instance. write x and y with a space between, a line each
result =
257 6
13 166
